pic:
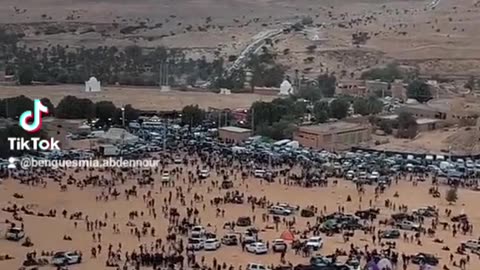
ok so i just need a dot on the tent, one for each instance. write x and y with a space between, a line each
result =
92 85
286 88
118 135
287 235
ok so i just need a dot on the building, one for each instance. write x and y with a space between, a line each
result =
423 124
452 111
376 86
234 134
92 85
354 88
399 90
335 136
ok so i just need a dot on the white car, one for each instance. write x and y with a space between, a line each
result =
195 243
256 266
314 243
350 175
279 245
472 244
257 248
15 234
374 176
259 173
211 244
177 160
197 232
278 210
204 173
250 237
66 258
165 177
408 225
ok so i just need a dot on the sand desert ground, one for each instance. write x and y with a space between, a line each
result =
47 233
140 98
438 37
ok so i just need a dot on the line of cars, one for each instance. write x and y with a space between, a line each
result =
58 259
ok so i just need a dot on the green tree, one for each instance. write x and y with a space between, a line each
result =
70 107
451 195
13 107
360 106
25 75
386 74
339 108
192 115
407 125
310 92
51 108
386 126
327 84
419 90
105 110
321 111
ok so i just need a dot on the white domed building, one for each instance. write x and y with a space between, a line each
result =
92 85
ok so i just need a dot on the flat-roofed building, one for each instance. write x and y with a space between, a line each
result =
234 134
355 88
336 135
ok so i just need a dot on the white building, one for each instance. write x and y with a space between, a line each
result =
285 88
92 85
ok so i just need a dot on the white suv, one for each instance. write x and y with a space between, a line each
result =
66 258
211 244
278 210
315 243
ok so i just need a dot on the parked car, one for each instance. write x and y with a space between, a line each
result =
279 245
257 248
472 244
278 210
259 173
390 234
211 244
197 232
315 242
204 173
256 266
195 243
230 239
350 175
66 258
244 221
165 177
15 234
424 258
408 225
250 237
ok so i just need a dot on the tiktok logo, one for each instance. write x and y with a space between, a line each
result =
36 115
